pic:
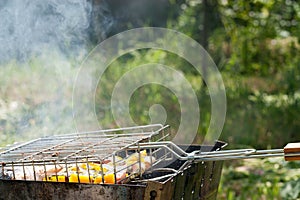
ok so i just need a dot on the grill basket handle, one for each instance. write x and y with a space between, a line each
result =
292 151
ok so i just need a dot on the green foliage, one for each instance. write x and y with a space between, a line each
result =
257 49
252 37
258 118
33 102
145 96
262 34
271 178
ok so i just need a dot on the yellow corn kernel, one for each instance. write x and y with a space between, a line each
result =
98 179
109 178
95 166
83 166
74 168
48 179
118 158
135 157
60 178
82 178
143 153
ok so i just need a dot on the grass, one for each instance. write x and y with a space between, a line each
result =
35 100
270 178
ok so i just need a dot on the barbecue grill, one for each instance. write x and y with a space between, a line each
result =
127 163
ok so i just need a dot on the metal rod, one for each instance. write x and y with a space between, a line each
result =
45 171
66 165
56 177
198 156
102 174
34 173
140 160
88 169
19 146
159 126
53 147
115 170
13 170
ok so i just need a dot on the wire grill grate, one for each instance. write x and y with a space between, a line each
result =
82 155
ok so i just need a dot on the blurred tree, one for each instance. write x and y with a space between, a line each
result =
254 28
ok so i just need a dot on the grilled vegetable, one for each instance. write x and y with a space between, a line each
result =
110 178
84 171
135 157
94 166
59 178
98 179
75 178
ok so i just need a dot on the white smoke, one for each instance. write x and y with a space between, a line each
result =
33 26
42 43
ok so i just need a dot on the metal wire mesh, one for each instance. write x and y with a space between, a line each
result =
90 157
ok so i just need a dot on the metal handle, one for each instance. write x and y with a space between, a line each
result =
292 151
